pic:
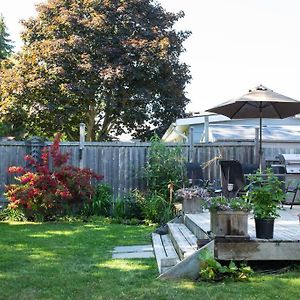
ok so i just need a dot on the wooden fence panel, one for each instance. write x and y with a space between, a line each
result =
122 164
208 154
11 154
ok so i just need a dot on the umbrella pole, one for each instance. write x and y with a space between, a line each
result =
260 140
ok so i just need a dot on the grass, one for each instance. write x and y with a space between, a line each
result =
73 261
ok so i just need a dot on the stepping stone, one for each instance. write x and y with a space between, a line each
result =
139 251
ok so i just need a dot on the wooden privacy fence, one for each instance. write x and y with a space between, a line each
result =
122 163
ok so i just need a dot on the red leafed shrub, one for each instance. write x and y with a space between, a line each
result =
43 192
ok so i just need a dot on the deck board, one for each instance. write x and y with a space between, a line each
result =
165 256
202 220
286 228
183 239
285 244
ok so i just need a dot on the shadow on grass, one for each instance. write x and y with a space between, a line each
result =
73 261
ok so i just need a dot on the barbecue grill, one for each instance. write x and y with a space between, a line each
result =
291 163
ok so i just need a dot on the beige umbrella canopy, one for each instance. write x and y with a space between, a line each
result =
260 102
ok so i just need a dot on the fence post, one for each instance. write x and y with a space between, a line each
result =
81 145
34 147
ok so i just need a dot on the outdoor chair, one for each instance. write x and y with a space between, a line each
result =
196 178
232 173
249 169
195 174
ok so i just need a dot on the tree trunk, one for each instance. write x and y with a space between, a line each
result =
108 123
90 126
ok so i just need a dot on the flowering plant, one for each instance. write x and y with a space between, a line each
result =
44 191
221 203
191 193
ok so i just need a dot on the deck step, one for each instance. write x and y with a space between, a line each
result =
190 266
184 241
199 224
165 254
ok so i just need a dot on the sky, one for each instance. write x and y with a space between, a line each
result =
235 45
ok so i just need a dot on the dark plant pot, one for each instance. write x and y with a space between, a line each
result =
264 228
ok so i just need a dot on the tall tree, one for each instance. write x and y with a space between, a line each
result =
112 64
6 47
5 43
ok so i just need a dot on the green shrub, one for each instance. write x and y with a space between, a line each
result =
165 166
10 214
128 207
101 202
133 207
156 209
265 193
118 210
165 173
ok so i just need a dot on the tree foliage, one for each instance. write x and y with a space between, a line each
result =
112 64
12 110
6 47
5 43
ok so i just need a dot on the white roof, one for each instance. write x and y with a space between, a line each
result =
229 132
178 130
201 119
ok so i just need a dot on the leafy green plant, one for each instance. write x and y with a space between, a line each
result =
118 210
129 206
165 166
156 209
133 209
265 193
101 201
213 270
10 214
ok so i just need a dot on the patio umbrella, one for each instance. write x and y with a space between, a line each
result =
260 102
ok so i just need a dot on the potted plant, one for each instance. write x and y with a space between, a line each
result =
193 199
228 216
265 193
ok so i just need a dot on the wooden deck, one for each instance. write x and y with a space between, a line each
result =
285 244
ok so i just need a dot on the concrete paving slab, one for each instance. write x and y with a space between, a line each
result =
128 255
136 248
137 251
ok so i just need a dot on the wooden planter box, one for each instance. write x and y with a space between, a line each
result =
192 206
229 223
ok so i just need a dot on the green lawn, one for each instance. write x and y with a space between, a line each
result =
73 261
